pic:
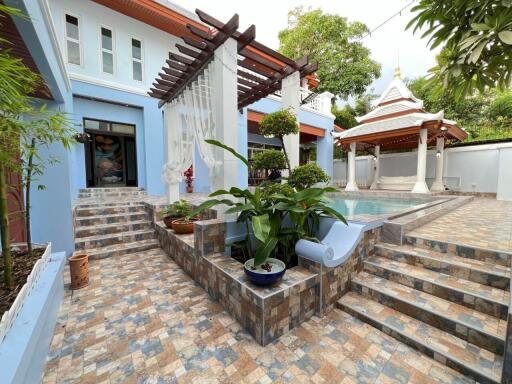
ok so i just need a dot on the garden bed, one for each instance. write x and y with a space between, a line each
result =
22 267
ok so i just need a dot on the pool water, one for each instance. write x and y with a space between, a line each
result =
374 207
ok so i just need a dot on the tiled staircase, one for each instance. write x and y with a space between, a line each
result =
446 304
111 222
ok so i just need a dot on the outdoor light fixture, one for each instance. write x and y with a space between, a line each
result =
444 129
374 158
438 153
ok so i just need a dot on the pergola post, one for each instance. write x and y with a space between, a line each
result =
290 97
376 167
226 116
421 185
172 122
351 182
438 184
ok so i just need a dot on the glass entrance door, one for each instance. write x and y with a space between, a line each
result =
110 155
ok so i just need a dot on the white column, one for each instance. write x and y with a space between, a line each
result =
421 186
226 118
351 182
290 97
438 184
376 166
171 124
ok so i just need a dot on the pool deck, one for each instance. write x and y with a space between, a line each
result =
482 223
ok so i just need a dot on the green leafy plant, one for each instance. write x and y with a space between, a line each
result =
307 175
264 212
178 209
269 160
477 38
279 124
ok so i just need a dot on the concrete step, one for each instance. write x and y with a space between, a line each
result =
98 210
104 229
471 360
121 249
486 255
114 238
482 298
119 218
478 271
472 326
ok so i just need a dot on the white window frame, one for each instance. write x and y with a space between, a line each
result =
141 60
112 52
66 38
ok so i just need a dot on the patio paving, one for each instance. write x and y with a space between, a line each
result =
482 223
142 319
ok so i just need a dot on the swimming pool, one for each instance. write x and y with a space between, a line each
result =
350 207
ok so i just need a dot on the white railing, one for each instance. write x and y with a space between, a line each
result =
320 103
10 315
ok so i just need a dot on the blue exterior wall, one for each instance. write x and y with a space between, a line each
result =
142 111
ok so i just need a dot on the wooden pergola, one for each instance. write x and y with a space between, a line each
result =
260 69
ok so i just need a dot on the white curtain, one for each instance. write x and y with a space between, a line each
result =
191 118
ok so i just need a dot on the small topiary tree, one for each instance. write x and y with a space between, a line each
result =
269 160
279 124
305 176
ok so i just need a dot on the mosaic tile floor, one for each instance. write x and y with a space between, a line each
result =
143 320
482 223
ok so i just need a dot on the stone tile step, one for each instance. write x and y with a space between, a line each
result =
118 218
87 195
109 210
478 271
114 238
482 365
483 298
112 202
112 189
121 249
487 255
475 327
103 229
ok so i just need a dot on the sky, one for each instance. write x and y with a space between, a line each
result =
388 44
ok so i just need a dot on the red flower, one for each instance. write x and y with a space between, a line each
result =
189 176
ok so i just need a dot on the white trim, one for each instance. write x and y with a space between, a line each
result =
141 60
48 20
106 50
80 50
106 83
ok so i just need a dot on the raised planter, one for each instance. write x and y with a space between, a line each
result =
27 335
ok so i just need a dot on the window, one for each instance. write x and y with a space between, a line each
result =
72 40
101 125
137 59
107 50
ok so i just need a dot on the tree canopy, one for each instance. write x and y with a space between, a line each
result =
346 67
477 39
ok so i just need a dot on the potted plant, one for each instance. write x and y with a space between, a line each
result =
276 216
184 225
176 210
189 178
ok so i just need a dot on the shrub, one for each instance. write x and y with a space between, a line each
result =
279 124
501 106
270 159
276 188
177 209
305 176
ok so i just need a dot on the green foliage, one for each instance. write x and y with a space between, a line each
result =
177 209
344 117
477 38
264 210
307 175
345 64
279 123
501 106
271 159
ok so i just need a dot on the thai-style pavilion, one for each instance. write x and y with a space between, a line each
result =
399 122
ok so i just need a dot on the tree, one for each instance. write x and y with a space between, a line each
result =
344 117
307 175
23 128
345 64
477 35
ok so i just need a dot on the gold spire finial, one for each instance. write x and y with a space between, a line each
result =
397 69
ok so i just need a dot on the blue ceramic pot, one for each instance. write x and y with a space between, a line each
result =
260 276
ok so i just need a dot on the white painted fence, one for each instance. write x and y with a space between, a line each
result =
476 168
10 315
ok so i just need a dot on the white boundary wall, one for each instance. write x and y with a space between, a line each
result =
476 168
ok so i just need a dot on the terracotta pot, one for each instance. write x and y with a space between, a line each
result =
182 227
190 189
79 270
168 221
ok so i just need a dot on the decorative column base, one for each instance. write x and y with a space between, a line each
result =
420 187
437 187
374 185
351 186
